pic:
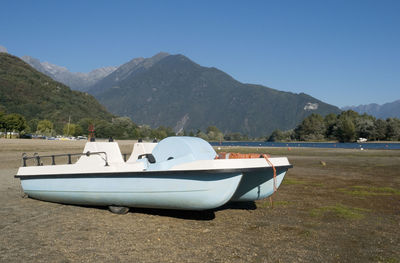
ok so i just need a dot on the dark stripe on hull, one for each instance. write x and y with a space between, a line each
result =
160 174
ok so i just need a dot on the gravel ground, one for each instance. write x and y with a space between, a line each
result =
335 205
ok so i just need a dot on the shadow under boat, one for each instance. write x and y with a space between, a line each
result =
200 215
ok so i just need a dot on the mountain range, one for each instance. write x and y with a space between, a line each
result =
75 80
387 110
172 90
31 93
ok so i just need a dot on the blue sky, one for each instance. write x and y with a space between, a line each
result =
342 52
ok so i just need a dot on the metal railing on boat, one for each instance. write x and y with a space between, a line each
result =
38 157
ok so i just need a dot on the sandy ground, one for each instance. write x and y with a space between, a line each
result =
334 206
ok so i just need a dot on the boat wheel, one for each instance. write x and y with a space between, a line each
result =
118 209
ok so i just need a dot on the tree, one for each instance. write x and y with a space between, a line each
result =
122 127
144 132
2 120
350 114
275 136
103 129
33 124
346 131
159 133
214 134
393 129
365 126
380 129
45 127
212 129
15 122
279 135
70 129
330 121
162 132
312 128
78 131
202 135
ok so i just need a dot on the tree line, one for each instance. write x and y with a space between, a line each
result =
118 128
347 126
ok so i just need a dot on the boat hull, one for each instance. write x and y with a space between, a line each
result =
258 185
197 191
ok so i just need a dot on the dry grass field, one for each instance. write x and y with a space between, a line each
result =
335 205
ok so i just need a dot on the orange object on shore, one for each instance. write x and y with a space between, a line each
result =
224 155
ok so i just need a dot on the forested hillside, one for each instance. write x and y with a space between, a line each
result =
26 91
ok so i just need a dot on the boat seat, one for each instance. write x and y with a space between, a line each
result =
111 148
140 149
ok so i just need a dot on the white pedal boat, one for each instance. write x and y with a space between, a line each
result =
176 173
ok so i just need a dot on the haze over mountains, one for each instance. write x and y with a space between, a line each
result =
172 90
387 110
75 80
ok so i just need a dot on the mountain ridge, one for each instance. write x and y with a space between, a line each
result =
179 93
75 80
128 69
383 111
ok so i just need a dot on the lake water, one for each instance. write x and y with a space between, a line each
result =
369 145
